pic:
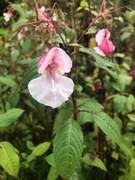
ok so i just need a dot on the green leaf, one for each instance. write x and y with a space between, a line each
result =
68 147
110 128
96 162
113 74
50 159
66 112
18 8
9 159
8 81
26 45
130 136
53 173
74 176
57 38
107 125
10 116
84 117
14 54
125 36
41 149
84 105
89 104
13 99
119 103
19 23
84 3
100 61
130 102
75 45
117 80
131 117
130 175
32 71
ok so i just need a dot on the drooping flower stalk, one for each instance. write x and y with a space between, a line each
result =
102 14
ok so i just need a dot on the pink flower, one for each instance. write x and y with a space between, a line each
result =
52 88
21 35
105 46
7 15
42 9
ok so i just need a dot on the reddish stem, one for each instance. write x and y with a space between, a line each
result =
102 6
117 9
89 27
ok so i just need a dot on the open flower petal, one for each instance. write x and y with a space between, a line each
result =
98 51
58 56
51 92
41 60
101 35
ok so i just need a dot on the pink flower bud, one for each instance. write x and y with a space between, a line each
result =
105 46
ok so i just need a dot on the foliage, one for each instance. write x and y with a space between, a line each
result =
90 136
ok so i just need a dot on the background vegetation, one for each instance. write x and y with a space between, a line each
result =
102 106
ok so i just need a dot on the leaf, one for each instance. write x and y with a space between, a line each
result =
75 45
38 107
89 103
119 103
130 102
130 136
125 36
118 80
113 74
18 8
66 112
96 162
8 81
19 23
107 125
41 149
14 54
100 61
130 175
68 147
13 99
57 38
32 71
9 159
84 105
53 173
84 3
110 128
84 117
50 159
74 176
114 80
131 117
10 116
26 45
